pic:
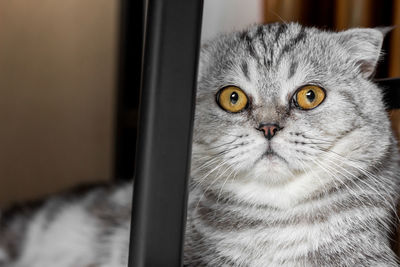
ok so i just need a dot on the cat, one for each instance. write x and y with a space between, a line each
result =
294 164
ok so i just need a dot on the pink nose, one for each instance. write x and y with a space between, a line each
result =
269 129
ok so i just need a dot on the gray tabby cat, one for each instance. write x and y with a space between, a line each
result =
294 164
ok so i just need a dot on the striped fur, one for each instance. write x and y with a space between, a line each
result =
83 228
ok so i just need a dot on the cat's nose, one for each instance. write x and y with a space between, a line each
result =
269 129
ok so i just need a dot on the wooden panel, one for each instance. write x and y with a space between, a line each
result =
353 13
283 10
395 118
342 10
395 42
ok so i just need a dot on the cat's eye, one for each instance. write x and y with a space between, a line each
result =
309 97
232 99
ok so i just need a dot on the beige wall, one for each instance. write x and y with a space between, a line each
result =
57 80
228 15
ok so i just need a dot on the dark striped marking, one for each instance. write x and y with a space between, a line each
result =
14 223
350 98
261 35
281 30
289 46
245 69
292 69
225 216
250 46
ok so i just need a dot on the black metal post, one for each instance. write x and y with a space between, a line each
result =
129 75
172 38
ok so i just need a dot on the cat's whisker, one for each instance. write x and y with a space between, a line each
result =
220 153
209 163
375 191
235 135
278 16
337 181
210 185
352 192
206 164
225 144
229 176
214 156
303 165
349 159
368 196
328 168
353 163
214 159
317 139
368 174
222 145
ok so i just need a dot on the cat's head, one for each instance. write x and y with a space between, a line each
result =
276 103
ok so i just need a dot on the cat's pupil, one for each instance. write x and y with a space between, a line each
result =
234 98
310 95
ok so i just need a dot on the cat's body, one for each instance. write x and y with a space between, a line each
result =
83 228
294 164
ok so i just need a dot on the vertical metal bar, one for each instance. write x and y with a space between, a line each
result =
129 75
172 38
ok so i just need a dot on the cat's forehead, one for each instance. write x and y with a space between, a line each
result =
266 60
268 46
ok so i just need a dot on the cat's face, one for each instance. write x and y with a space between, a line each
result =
277 101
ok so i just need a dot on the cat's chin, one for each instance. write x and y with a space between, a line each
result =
272 169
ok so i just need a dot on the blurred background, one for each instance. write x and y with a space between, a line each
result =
68 99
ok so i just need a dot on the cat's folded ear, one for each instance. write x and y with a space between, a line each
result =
364 46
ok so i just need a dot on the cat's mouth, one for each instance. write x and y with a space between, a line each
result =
271 154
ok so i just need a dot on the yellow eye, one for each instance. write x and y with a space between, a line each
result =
309 97
232 99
